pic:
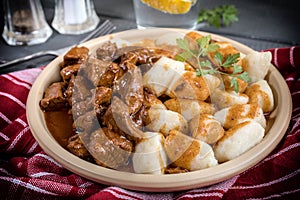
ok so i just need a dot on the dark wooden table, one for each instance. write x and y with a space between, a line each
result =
262 24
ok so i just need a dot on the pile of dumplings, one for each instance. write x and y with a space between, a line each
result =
204 122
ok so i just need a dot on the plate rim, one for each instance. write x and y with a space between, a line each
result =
154 183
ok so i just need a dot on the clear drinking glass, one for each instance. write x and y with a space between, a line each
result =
149 16
74 16
25 23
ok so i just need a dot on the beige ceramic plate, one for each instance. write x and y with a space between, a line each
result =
157 183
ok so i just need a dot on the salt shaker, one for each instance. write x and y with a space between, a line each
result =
25 23
74 16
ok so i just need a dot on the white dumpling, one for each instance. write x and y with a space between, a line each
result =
206 128
234 115
191 86
257 65
189 108
223 99
165 120
212 82
193 108
225 49
186 152
260 93
149 156
163 74
238 140
241 84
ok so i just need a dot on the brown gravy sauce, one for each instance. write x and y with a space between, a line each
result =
59 123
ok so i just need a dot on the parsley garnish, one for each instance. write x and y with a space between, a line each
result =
231 61
221 15
205 66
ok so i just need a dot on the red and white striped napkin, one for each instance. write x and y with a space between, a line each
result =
26 172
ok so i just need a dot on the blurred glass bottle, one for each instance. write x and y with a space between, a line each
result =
74 16
24 22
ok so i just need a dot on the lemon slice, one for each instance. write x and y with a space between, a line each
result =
170 6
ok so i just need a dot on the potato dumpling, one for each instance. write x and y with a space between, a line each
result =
190 86
261 94
257 65
234 115
163 74
212 82
189 108
206 128
149 156
165 120
189 153
223 99
238 140
225 50
242 85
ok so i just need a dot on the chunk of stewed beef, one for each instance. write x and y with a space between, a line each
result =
102 73
69 91
54 98
77 146
80 90
82 107
139 56
118 119
128 61
101 110
123 119
130 89
75 55
145 56
88 122
108 121
142 116
95 68
67 72
107 51
113 72
136 57
167 51
109 148
103 95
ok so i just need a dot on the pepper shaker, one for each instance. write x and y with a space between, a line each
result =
25 23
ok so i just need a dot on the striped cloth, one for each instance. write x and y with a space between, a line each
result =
26 172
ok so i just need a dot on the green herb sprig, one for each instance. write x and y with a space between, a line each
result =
218 16
204 66
231 61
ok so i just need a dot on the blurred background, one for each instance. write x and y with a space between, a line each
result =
262 24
